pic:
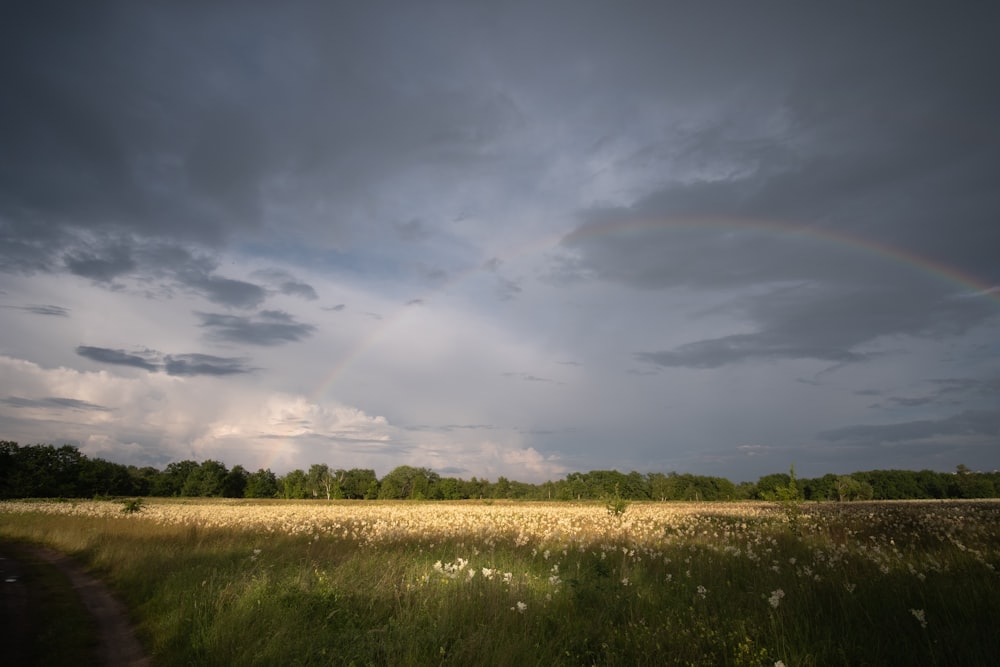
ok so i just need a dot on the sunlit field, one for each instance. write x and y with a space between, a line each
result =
365 583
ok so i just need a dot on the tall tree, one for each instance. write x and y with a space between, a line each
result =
207 480
293 484
261 484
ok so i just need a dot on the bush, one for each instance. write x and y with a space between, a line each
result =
132 505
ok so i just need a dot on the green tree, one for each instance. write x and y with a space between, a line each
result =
261 484
143 479
409 482
8 468
104 478
320 481
358 483
849 487
789 492
662 487
502 488
931 484
822 488
207 480
972 485
449 488
171 482
293 484
768 485
234 484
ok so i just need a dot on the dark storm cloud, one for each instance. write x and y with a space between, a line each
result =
226 291
988 387
105 267
153 121
42 309
911 402
196 271
887 140
733 349
828 322
412 231
96 125
105 258
276 315
433 275
807 160
449 428
139 131
969 424
269 328
493 264
948 392
286 283
169 263
528 377
879 155
507 289
204 364
185 365
293 288
53 402
146 360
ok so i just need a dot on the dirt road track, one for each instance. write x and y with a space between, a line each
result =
117 644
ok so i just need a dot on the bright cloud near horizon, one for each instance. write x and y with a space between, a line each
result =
516 239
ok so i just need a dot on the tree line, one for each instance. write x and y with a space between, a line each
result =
48 471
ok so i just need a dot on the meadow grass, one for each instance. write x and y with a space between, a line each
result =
316 583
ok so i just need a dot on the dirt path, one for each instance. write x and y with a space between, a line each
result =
117 644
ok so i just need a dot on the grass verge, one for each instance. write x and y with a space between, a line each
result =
867 585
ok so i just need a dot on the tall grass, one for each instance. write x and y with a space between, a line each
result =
454 584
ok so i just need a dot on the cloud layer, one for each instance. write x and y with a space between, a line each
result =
512 239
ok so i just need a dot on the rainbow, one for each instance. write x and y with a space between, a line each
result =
970 286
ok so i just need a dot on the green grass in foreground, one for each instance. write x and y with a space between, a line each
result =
847 587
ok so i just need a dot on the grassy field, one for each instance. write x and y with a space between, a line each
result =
365 583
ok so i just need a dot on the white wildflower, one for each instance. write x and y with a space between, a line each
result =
775 598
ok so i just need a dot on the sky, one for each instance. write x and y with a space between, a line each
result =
514 239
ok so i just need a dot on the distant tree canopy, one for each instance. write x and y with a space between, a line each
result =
47 471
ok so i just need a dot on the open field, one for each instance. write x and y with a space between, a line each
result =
312 582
